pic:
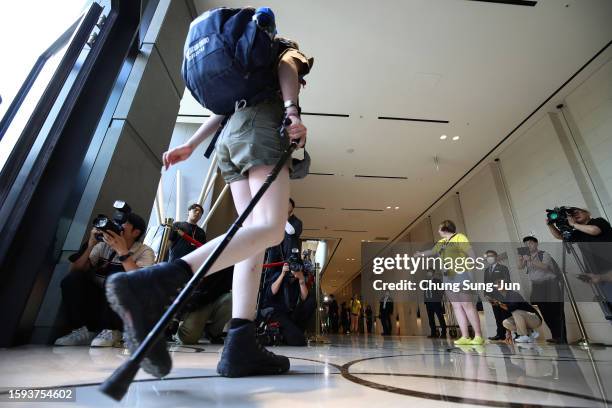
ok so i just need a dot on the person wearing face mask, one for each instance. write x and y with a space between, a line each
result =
433 304
494 272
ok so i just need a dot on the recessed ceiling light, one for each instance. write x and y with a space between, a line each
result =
443 137
397 208
388 207
455 137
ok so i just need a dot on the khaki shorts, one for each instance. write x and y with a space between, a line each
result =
251 138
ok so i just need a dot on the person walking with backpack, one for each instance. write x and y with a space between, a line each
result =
546 288
236 67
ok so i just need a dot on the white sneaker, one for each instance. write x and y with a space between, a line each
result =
523 339
108 338
78 337
534 335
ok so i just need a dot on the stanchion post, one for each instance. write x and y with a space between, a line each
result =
215 206
318 338
163 246
207 179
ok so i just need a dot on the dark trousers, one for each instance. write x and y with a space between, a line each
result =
553 314
86 305
385 320
369 324
293 324
435 309
346 324
333 320
548 295
500 316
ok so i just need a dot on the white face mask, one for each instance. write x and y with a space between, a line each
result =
490 260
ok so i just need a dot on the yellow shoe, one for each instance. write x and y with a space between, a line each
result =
477 341
466 348
463 341
478 349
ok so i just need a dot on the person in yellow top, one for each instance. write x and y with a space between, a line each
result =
453 246
355 311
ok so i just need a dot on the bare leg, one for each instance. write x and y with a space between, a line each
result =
247 273
461 318
472 316
262 229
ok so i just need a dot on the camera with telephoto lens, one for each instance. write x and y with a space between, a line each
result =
558 217
115 224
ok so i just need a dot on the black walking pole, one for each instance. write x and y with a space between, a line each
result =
118 383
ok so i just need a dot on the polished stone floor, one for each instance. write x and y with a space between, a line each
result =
353 371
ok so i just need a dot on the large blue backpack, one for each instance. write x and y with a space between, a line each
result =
230 57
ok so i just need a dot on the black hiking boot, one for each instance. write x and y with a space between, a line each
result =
243 355
140 298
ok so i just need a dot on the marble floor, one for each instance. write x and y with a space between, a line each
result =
353 371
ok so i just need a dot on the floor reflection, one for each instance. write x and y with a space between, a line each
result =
353 370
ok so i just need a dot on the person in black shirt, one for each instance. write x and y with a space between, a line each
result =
293 230
368 317
345 316
333 314
524 317
385 312
492 273
286 293
594 238
181 247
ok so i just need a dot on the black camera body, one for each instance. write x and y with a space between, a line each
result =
115 224
558 217
522 251
296 264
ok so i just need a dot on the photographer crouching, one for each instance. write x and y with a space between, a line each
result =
287 294
113 246
594 238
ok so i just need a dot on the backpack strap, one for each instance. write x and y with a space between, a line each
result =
213 141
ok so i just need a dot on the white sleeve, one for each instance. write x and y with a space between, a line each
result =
146 257
289 228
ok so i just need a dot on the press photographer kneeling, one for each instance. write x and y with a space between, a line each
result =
286 293
113 246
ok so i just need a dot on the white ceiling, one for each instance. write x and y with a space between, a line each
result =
483 67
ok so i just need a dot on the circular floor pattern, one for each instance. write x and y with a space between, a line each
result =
344 371
448 398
